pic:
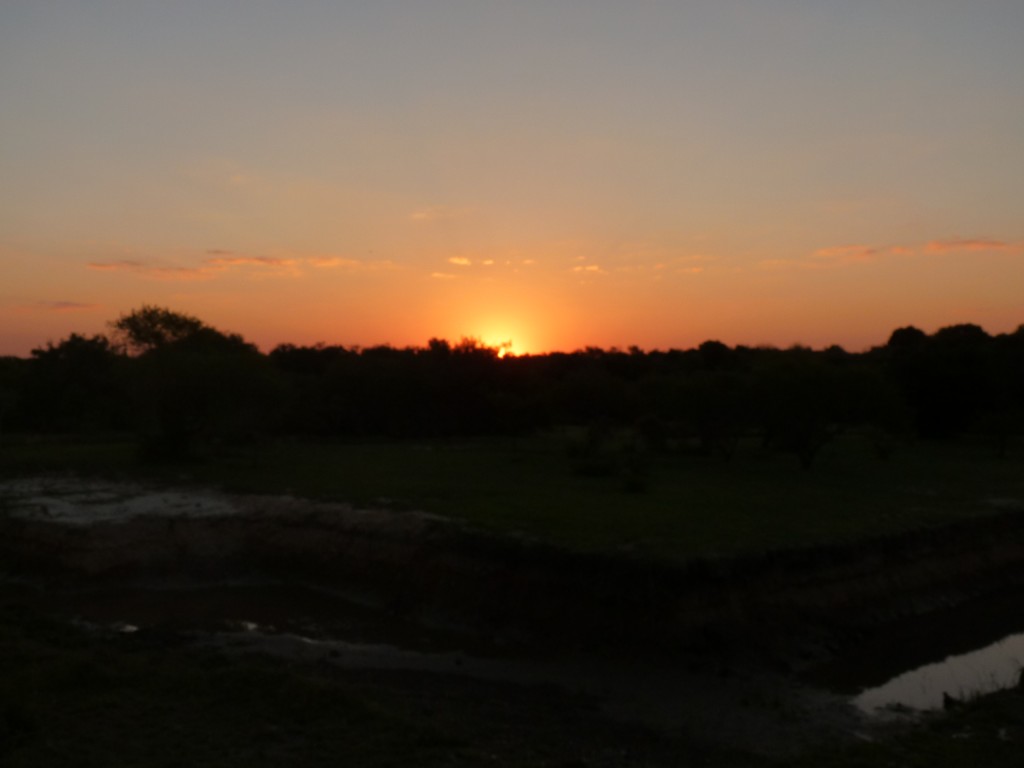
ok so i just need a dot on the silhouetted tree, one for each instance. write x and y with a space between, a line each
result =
189 385
193 384
907 338
950 377
801 402
13 371
717 405
74 385
715 355
304 406
1001 415
149 328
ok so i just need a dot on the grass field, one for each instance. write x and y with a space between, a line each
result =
671 506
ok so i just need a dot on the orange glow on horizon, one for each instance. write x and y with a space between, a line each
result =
504 343
504 317
510 333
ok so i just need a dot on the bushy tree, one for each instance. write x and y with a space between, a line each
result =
13 372
193 385
148 328
73 385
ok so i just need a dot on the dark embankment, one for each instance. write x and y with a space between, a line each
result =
529 593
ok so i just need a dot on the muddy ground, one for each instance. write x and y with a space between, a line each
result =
727 654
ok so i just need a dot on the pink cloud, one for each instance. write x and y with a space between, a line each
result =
327 262
976 244
261 261
152 271
350 265
221 262
209 268
861 254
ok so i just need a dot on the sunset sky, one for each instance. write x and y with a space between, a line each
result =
561 173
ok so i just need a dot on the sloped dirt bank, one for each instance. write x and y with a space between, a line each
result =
703 651
786 604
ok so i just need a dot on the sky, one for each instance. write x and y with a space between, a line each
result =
558 173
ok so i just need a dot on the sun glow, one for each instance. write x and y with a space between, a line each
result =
508 344
505 317
505 346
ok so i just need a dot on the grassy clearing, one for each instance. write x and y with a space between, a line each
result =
671 506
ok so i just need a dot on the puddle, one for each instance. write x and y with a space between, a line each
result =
75 502
995 667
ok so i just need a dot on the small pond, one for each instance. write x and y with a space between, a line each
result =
964 676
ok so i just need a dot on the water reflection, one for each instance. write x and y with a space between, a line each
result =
987 670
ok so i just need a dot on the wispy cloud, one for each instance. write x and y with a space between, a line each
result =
860 254
218 263
854 254
237 261
589 269
181 273
442 276
460 261
330 262
152 271
849 253
347 264
65 306
974 245
687 264
835 256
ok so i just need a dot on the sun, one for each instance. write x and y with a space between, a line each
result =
513 329
507 342
506 346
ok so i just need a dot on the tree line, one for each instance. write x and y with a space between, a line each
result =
182 386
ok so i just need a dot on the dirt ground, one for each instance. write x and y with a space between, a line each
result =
208 570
